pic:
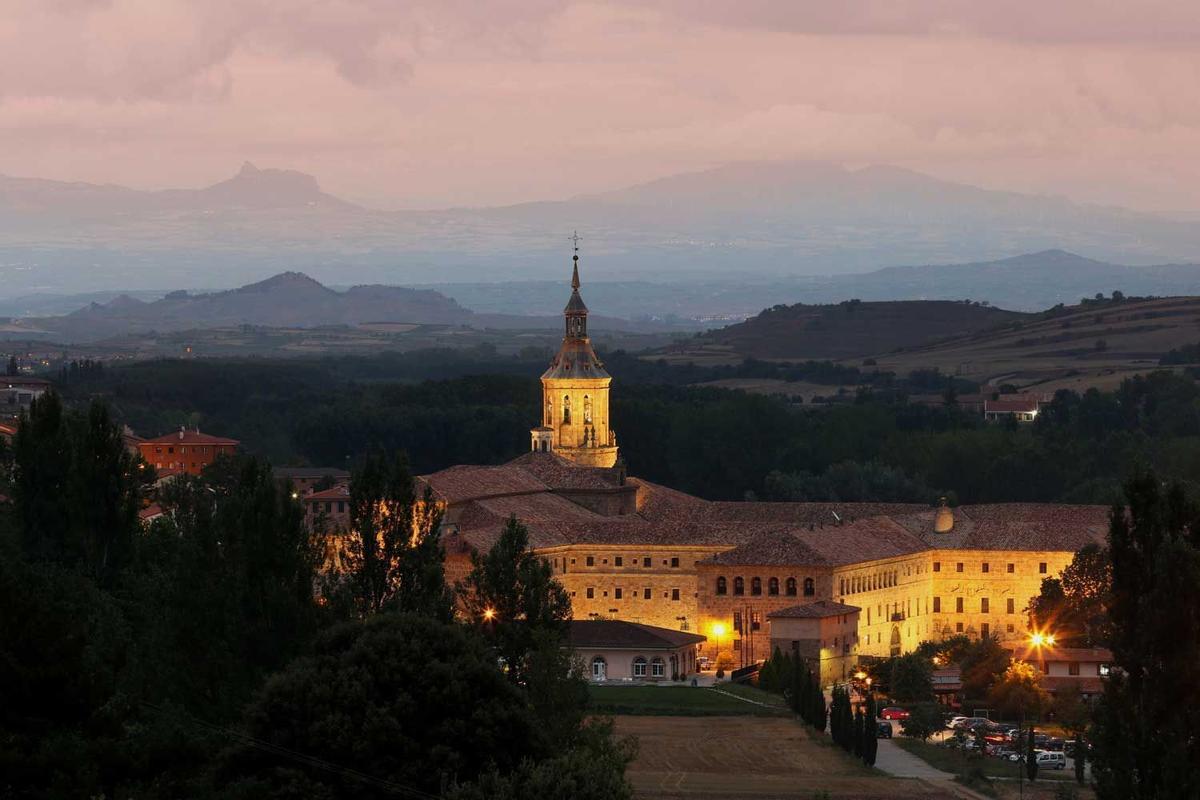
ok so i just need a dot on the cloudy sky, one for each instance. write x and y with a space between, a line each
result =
465 102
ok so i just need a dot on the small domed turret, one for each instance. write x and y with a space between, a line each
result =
943 521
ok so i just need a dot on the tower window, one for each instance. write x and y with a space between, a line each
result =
739 586
773 586
567 409
587 409
810 588
721 585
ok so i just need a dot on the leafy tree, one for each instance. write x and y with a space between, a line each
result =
1019 691
393 551
1144 747
911 678
924 720
512 596
1073 606
982 662
406 701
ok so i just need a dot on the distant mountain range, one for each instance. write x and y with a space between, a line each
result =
755 222
287 300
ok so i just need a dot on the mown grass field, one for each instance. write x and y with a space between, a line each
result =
684 701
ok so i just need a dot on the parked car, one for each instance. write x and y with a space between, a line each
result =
1053 744
884 730
893 712
953 722
969 723
1047 759
702 663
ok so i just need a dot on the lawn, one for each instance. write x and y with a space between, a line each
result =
952 760
682 701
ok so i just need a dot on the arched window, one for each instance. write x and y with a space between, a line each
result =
587 409
773 586
739 586
549 411
639 667
567 409
599 668
657 668
721 585
810 588
791 587
756 586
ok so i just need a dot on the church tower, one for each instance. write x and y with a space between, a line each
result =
575 393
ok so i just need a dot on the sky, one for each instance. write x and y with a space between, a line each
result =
434 103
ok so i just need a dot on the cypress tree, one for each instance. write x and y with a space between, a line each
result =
797 699
858 746
1080 756
805 691
871 746
819 714
1030 757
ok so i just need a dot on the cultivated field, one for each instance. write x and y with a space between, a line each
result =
752 757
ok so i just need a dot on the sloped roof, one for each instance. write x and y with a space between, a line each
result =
339 492
1015 526
190 437
614 634
818 610
576 359
1084 654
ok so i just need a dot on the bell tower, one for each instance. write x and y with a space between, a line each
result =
575 392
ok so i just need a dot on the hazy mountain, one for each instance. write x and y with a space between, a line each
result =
740 222
287 300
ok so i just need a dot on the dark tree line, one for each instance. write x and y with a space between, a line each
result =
204 656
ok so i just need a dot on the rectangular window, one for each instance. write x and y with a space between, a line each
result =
737 644
591 592
1012 568
958 604
675 563
986 567
1010 627
1046 667
985 630
1073 668
618 561
674 594
617 593
646 593
1042 568
937 605
937 566
1012 606
737 621
958 627
591 561
983 605
755 620
646 561
958 567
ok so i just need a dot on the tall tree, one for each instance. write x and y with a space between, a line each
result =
75 488
871 738
1074 605
393 552
512 596
1144 747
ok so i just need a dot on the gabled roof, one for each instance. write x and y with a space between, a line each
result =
339 492
818 610
614 634
190 437
1015 526
1084 654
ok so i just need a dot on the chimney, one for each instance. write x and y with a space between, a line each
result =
181 429
943 521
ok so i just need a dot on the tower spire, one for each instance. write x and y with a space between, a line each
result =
575 237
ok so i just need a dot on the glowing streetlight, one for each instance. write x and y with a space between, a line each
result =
1037 640
718 631
489 614
1050 640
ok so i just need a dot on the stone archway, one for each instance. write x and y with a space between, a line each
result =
895 642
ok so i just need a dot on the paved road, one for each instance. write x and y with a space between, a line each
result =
895 761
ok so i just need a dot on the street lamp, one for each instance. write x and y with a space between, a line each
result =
489 614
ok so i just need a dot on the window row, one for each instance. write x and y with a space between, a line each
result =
619 561
202 449
619 594
566 410
986 567
985 606
867 583
756 586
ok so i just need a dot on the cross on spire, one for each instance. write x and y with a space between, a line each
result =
575 237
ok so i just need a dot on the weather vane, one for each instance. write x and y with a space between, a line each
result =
575 237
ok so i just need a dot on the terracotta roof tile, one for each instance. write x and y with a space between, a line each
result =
818 610
190 437
601 634
1015 526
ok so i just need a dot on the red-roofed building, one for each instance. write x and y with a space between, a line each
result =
185 451
624 548
1084 668
333 505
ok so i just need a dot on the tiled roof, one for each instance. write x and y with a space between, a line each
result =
1015 526
605 634
1055 654
560 473
815 514
767 549
1027 406
818 610
467 482
575 359
191 437
339 492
